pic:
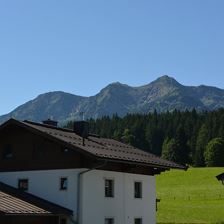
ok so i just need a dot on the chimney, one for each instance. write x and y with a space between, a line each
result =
50 122
81 128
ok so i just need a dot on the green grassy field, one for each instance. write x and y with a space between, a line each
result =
193 196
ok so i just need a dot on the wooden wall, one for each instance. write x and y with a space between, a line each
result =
33 152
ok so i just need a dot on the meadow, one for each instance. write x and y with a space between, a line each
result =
193 196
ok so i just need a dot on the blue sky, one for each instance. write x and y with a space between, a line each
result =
81 46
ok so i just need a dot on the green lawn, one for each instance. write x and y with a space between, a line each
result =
193 196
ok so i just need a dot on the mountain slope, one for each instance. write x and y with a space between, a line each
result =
53 104
163 94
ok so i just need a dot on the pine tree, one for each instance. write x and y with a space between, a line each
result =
202 140
183 150
171 149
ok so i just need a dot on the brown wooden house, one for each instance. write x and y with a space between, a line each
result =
54 175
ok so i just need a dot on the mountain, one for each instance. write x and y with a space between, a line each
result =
163 94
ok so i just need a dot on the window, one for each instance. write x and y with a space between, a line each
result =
138 189
109 220
23 184
138 220
63 183
109 188
7 152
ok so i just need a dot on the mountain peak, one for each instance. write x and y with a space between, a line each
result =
115 85
165 79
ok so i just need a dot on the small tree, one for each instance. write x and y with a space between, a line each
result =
214 153
171 150
128 137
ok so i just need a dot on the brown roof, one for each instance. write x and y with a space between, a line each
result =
16 202
101 148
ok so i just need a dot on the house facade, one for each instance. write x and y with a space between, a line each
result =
91 179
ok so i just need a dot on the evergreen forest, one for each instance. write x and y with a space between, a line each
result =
188 137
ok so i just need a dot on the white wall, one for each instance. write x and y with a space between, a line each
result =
123 207
95 207
46 184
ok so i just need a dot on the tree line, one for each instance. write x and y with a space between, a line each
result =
188 137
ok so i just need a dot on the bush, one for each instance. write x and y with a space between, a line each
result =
214 152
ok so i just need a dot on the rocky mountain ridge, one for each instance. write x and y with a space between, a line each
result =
163 94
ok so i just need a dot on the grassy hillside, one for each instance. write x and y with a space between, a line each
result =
193 196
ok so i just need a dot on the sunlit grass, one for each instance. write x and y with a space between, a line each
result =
193 196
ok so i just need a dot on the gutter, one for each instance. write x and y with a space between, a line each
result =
179 167
78 221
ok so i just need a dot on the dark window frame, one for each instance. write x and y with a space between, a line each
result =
109 187
23 186
109 220
138 189
138 220
62 181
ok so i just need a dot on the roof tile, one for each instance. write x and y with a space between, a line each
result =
106 148
14 201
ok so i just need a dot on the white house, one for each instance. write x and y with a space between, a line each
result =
71 176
